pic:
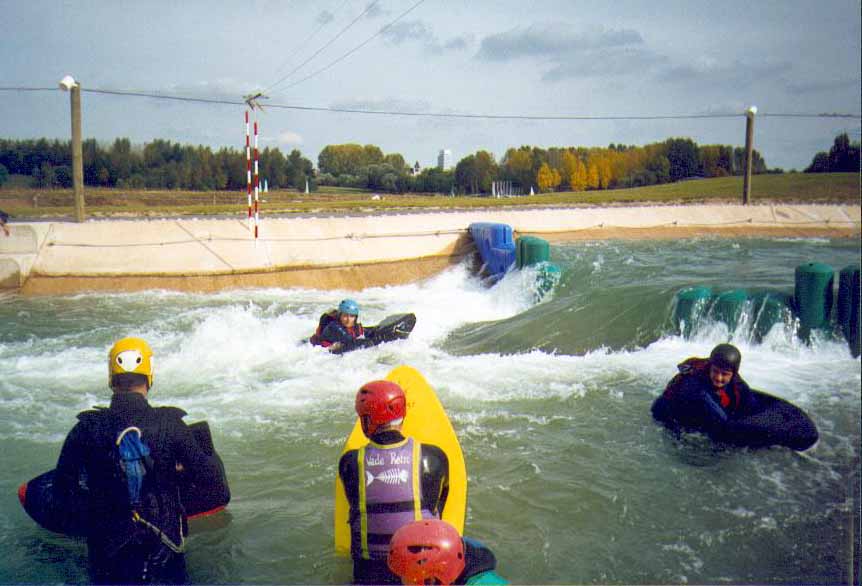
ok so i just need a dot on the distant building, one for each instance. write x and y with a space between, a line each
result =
415 169
444 160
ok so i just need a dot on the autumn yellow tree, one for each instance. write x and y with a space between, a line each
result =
601 159
569 166
592 176
518 165
547 178
578 179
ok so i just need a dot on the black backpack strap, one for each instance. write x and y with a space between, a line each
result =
102 426
95 416
166 415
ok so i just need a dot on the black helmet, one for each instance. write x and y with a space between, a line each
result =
725 356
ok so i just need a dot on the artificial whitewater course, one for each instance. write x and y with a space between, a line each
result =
570 478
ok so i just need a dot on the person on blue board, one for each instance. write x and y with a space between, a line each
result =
137 525
339 330
391 481
431 551
706 393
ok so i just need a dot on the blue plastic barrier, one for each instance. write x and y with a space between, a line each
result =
496 247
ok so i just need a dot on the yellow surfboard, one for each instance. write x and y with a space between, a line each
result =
427 422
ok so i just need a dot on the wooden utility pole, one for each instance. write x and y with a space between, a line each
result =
77 152
749 148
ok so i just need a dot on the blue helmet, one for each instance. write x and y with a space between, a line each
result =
348 306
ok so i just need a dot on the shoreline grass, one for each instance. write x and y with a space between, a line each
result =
24 203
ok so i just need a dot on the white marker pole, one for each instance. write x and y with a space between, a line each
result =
256 184
248 167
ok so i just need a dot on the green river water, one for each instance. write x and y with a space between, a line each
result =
570 480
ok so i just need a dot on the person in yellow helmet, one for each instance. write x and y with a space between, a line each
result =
133 457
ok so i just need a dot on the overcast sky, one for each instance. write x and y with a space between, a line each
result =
540 58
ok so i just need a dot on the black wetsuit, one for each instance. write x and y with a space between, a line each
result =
122 551
434 470
359 337
478 560
690 401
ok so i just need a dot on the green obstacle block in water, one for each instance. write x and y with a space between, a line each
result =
769 308
531 250
847 307
547 277
728 307
813 296
691 304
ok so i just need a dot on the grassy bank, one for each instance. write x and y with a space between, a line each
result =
796 188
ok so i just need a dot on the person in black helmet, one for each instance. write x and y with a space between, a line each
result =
706 393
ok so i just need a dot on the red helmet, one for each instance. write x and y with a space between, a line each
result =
378 403
426 550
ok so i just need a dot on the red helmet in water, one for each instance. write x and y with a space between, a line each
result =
379 402
426 550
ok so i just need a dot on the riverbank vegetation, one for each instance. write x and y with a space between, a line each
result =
25 202
162 165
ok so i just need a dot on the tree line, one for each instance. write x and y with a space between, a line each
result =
540 169
843 157
162 164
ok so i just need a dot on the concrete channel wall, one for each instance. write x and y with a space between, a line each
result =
349 252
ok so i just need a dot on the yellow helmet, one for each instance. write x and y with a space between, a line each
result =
131 355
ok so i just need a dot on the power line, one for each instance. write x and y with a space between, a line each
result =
158 96
227 102
357 47
28 89
305 41
499 116
803 115
332 40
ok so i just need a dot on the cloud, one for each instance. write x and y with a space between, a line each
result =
459 43
608 62
555 41
823 86
225 88
570 53
374 10
737 74
325 17
416 31
289 138
408 30
383 105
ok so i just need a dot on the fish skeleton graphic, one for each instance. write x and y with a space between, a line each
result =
391 476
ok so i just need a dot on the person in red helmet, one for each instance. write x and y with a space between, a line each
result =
432 552
391 481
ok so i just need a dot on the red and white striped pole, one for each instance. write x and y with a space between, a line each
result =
248 166
256 183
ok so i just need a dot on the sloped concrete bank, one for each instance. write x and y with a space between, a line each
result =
347 252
